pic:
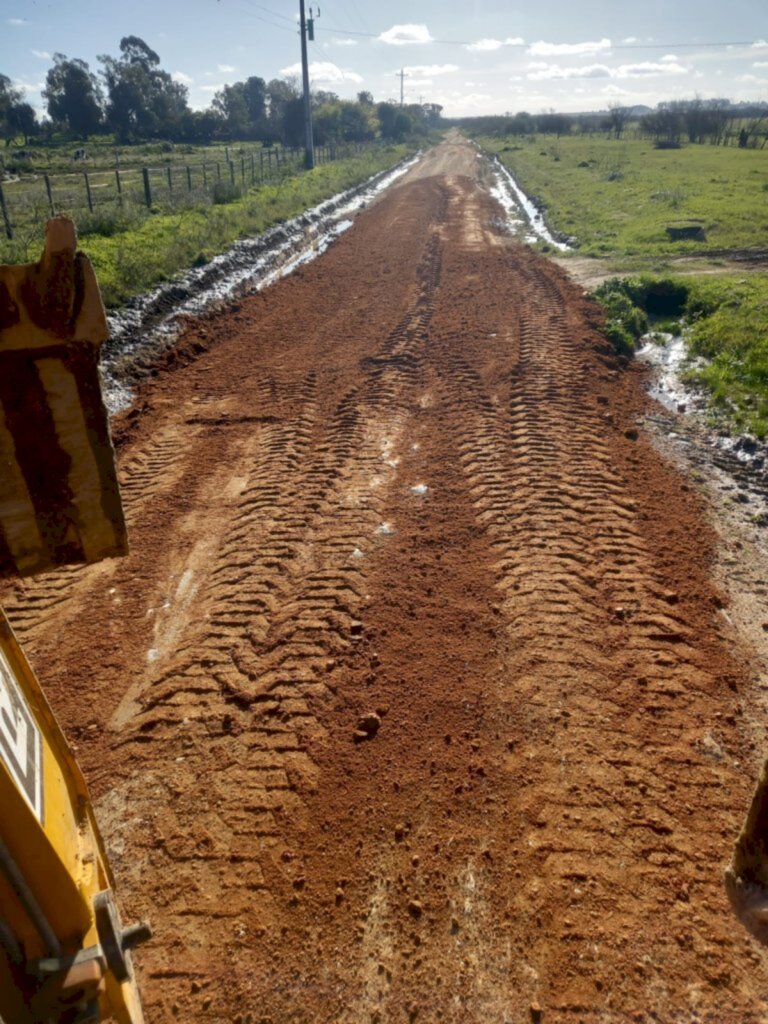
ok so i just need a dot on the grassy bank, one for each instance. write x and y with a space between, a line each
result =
133 252
725 323
616 198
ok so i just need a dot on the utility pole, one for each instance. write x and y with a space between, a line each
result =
309 149
401 76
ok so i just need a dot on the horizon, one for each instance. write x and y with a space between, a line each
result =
474 61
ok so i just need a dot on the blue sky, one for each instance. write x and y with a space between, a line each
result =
471 57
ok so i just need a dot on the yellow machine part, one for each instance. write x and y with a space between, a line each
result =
64 955
50 854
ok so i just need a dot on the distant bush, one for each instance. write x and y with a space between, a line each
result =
108 221
224 192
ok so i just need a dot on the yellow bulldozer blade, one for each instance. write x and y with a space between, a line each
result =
59 499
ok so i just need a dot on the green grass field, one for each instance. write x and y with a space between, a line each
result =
616 198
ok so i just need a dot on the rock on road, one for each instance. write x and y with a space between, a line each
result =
411 702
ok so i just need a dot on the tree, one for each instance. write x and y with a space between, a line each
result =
554 124
230 104
255 96
10 97
664 124
73 96
618 118
23 120
395 123
281 93
144 101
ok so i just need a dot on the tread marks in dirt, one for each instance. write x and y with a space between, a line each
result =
588 615
279 609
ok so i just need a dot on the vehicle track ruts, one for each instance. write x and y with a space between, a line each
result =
405 487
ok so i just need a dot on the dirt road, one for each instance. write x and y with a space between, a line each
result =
412 701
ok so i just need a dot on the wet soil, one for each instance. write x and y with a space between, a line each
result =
414 700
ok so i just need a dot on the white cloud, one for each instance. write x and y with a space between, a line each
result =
542 49
753 79
488 45
16 21
226 69
670 58
341 42
424 70
211 88
179 76
629 40
760 64
759 44
647 68
540 72
403 35
42 54
323 71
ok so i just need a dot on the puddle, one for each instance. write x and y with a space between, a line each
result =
669 359
735 465
150 323
521 211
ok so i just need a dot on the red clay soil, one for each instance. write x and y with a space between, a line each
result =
411 702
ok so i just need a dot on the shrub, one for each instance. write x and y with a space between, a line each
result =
224 192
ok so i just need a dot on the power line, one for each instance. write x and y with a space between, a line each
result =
268 10
525 46
273 24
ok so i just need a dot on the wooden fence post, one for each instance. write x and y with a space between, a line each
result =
88 191
170 180
242 170
218 171
253 169
147 188
232 172
119 184
6 218
49 190
261 166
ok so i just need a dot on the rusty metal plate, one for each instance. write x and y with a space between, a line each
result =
59 497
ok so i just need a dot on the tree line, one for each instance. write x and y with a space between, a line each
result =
715 121
135 100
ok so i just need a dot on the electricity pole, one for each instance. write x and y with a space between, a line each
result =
401 76
309 149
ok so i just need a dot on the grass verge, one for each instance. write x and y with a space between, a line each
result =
617 198
140 249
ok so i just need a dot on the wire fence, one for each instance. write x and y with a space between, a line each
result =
29 201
